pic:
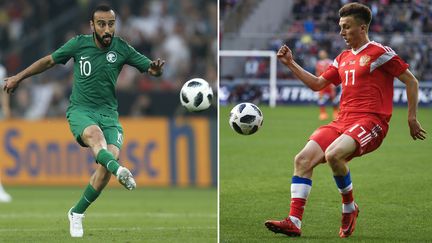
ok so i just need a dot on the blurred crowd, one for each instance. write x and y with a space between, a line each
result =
182 32
405 26
227 6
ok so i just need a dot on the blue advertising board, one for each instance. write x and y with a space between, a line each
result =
295 92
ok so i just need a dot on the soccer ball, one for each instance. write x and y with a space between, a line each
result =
246 118
196 95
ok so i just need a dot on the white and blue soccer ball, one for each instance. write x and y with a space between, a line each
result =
196 95
246 118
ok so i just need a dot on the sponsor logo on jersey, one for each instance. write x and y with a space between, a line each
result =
111 57
364 60
83 58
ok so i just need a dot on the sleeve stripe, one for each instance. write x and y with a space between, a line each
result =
388 49
385 48
385 57
335 63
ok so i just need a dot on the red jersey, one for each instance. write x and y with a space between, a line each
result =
366 76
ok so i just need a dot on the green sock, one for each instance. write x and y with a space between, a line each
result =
89 196
106 158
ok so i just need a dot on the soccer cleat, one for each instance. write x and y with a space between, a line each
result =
75 222
125 178
285 226
5 197
349 221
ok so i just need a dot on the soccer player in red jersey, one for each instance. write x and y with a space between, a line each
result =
328 93
366 72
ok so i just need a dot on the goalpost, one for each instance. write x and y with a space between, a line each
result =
259 53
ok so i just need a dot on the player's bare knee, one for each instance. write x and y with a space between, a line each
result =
92 135
301 162
333 156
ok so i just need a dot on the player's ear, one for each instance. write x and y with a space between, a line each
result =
364 27
92 26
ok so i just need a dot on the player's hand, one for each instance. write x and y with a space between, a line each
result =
10 84
156 67
416 131
285 55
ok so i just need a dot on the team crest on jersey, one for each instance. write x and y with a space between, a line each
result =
364 60
111 57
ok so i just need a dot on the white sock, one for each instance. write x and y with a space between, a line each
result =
1 188
348 207
296 221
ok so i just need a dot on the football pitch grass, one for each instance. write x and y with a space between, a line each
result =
39 214
392 185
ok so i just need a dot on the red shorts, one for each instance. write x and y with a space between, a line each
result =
367 129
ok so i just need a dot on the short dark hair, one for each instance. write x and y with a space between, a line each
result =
358 11
102 8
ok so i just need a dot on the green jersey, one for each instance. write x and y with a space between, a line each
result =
96 70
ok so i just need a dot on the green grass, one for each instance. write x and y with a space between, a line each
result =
392 185
38 214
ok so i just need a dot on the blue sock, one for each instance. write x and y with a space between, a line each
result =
343 183
345 187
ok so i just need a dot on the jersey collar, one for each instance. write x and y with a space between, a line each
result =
360 49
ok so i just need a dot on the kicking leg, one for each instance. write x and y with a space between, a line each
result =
336 155
102 176
98 181
94 138
301 184
106 156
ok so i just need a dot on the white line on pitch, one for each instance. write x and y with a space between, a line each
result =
111 215
114 229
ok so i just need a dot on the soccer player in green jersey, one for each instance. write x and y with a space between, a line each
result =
92 113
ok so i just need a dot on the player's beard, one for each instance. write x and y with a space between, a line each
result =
102 39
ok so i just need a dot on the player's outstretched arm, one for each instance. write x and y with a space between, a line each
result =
11 83
315 83
155 68
416 131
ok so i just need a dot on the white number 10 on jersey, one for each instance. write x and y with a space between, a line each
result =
85 68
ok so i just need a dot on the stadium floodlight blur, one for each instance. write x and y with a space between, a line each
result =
308 27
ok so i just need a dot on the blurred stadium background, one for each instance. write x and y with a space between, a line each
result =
166 147
255 171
